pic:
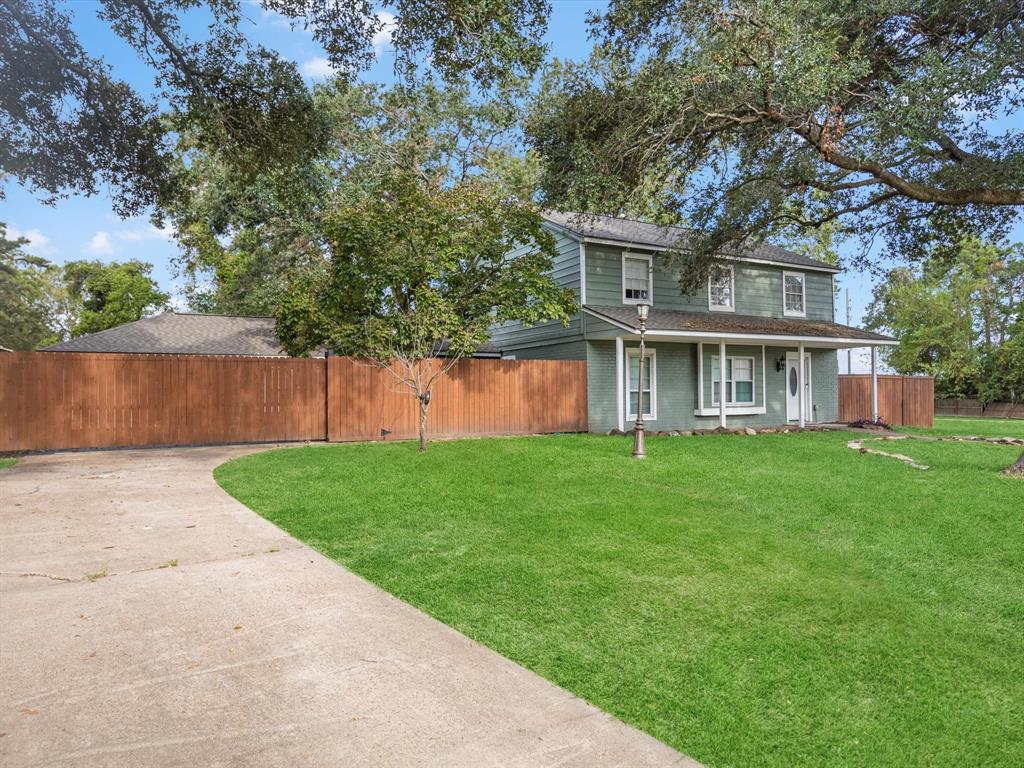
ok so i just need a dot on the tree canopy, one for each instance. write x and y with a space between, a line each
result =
42 303
961 321
754 118
242 239
72 126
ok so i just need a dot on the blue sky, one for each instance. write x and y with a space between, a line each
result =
82 227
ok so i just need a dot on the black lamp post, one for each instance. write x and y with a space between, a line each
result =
639 448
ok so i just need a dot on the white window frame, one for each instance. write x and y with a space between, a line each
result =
803 298
652 406
650 277
712 307
732 382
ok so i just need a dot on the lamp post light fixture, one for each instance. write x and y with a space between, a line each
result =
639 446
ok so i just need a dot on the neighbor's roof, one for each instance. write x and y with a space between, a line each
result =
183 333
644 234
696 324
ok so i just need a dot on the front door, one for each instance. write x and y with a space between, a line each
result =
793 386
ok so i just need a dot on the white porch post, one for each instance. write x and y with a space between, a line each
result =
801 386
620 397
874 383
721 383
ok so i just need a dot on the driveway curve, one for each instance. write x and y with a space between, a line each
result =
149 619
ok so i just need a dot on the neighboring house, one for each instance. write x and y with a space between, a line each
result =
762 312
183 333
187 333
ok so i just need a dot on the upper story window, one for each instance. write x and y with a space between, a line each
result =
636 279
722 290
793 294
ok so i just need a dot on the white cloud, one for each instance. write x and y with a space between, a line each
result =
130 235
382 38
100 244
38 243
317 68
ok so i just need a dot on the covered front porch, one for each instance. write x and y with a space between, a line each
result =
686 385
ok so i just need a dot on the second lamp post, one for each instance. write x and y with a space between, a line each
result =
639 448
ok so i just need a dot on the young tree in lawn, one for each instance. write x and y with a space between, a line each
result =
418 273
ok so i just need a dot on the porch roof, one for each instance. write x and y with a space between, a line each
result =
726 325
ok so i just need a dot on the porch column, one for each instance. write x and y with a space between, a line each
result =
721 383
874 383
620 395
801 385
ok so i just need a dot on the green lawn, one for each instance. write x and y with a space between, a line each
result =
5 463
952 425
778 600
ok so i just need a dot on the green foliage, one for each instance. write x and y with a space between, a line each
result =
72 126
102 296
827 609
757 117
960 321
27 285
244 239
414 266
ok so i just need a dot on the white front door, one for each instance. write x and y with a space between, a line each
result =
793 386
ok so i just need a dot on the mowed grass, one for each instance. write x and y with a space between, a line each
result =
8 462
954 425
777 600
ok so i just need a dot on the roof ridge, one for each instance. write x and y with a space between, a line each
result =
220 314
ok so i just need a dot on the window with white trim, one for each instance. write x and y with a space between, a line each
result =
739 380
793 294
632 381
721 290
636 279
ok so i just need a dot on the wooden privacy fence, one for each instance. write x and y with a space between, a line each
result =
968 407
73 400
55 400
476 397
902 400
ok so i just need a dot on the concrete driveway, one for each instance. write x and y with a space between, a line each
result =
149 619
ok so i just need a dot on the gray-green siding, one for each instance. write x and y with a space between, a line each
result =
676 386
758 287
514 337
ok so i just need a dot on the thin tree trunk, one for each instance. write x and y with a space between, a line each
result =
424 407
1016 469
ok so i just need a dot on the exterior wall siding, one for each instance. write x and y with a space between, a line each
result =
758 287
569 350
511 337
676 386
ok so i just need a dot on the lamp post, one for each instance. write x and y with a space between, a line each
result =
639 448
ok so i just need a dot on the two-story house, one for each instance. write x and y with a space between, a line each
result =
754 321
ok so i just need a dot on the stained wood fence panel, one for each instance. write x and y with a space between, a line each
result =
476 397
970 407
902 400
57 400
71 400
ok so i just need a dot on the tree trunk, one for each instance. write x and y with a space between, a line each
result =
1016 469
424 407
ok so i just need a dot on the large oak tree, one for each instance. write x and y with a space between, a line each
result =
749 118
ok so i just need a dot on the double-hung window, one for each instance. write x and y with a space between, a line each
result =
739 380
636 279
722 290
793 295
633 381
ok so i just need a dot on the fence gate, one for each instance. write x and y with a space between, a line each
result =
902 400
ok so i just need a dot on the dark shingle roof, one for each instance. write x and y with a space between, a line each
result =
655 236
726 322
185 334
